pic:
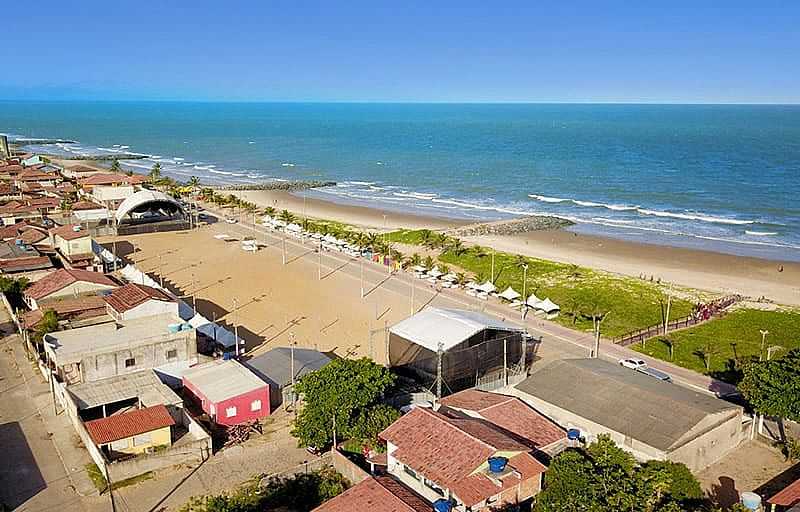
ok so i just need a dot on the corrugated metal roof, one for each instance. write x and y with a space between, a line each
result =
128 424
276 364
450 327
221 380
654 412
144 385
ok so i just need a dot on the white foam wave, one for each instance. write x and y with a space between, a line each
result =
546 199
694 216
760 233
287 164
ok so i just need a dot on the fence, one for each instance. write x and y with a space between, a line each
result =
710 310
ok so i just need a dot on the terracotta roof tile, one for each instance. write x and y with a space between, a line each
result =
77 308
788 497
448 450
32 236
380 494
85 205
62 278
128 424
509 413
68 232
131 295
110 178
26 264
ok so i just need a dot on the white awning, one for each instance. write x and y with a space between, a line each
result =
510 294
472 285
548 306
533 300
294 227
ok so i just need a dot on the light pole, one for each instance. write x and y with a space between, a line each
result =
492 265
361 259
283 241
235 328
319 262
763 343
160 271
524 290
291 350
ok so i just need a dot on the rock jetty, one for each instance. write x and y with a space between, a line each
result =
288 186
514 226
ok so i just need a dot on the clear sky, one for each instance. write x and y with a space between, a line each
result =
533 51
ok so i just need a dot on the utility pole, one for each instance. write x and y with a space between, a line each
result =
291 350
319 262
492 265
283 240
160 271
194 301
235 328
669 305
597 321
361 259
524 291
439 352
763 343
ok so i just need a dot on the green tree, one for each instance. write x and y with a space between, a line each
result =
115 166
286 216
345 392
772 387
48 324
193 182
155 173
13 289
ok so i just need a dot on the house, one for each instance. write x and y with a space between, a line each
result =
379 494
115 348
66 283
787 500
473 345
137 431
32 161
80 171
228 392
73 310
467 461
73 244
37 176
18 257
650 418
510 414
86 211
111 179
137 300
275 368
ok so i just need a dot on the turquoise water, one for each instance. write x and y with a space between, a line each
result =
724 177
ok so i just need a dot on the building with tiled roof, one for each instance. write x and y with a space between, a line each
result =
137 300
380 494
136 431
112 179
73 309
66 283
787 500
511 414
73 245
446 457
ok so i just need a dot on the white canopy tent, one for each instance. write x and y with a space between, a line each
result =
435 272
533 301
472 285
487 287
509 294
548 306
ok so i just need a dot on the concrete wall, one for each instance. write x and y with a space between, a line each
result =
71 408
74 290
347 468
158 437
713 445
150 353
74 247
190 452
148 308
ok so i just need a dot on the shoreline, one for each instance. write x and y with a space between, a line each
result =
693 268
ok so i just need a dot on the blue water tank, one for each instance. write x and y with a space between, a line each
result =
497 464
227 356
573 434
751 500
442 505
173 328
186 327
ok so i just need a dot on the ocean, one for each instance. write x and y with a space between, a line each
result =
721 177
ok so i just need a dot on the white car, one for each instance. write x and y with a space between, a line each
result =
633 364
230 221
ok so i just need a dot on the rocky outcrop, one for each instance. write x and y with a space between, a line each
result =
288 186
513 227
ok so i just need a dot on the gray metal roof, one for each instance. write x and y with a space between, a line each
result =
220 380
660 414
276 365
450 327
144 385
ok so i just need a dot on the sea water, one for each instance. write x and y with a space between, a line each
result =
725 177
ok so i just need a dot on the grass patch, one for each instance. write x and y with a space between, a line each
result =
97 477
101 484
405 236
735 337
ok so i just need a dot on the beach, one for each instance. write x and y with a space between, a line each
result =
704 270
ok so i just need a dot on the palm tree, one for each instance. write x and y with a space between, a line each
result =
155 173
415 260
442 241
444 269
456 246
193 182
479 252
286 216
461 279
372 240
428 263
425 236
270 211
115 167
395 254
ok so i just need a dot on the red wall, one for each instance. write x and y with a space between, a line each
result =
241 402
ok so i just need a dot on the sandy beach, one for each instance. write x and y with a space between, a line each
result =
705 270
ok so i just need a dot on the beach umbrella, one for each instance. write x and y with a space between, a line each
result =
533 301
294 227
418 268
510 294
487 287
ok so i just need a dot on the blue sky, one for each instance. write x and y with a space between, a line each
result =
531 51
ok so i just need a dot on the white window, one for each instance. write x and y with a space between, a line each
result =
230 412
255 405
122 444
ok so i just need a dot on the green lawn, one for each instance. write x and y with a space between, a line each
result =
101 484
740 327
632 303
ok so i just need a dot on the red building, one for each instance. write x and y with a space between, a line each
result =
228 392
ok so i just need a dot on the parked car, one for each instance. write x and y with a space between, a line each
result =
633 364
656 374
230 221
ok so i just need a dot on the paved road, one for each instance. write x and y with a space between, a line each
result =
557 340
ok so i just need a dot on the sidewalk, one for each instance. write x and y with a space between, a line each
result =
48 469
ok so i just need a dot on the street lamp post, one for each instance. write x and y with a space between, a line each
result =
763 343
361 259
524 290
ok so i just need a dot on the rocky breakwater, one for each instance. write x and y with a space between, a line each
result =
287 186
513 227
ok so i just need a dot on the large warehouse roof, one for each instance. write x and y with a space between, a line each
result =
450 327
140 199
276 364
660 414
